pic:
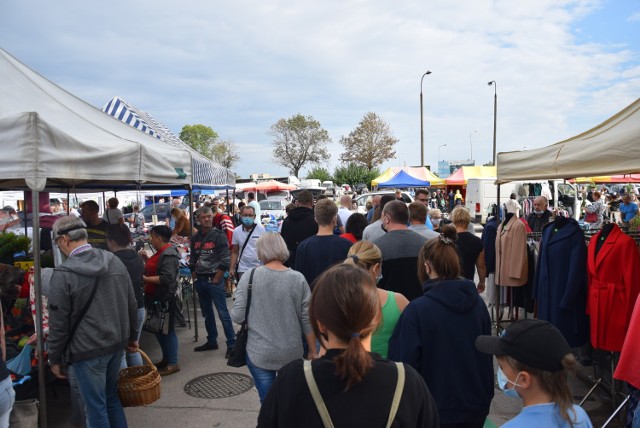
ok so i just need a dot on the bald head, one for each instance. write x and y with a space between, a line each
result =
345 201
540 203
376 201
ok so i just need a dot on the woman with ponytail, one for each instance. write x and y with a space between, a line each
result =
436 335
348 386
368 256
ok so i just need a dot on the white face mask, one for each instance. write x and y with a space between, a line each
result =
503 381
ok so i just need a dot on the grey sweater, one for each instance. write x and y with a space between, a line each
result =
277 318
111 319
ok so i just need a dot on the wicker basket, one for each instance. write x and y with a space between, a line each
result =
140 385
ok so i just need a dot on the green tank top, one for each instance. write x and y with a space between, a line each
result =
390 317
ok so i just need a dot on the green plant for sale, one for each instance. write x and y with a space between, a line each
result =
634 224
10 243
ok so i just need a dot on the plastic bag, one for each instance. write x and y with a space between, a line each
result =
22 363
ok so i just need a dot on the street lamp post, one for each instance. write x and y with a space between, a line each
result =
470 143
495 112
422 122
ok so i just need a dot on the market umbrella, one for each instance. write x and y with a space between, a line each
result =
273 185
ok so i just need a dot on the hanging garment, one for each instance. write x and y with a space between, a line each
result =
560 284
628 368
614 284
511 254
488 238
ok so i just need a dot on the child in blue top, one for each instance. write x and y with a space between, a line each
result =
534 359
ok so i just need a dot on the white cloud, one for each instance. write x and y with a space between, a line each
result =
239 67
634 17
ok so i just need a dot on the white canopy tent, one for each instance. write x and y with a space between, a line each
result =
50 138
609 148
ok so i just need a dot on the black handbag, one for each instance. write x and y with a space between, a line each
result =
238 357
158 318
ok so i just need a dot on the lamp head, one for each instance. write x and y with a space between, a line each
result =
428 72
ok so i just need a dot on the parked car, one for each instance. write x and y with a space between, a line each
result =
315 191
363 199
361 188
329 188
273 207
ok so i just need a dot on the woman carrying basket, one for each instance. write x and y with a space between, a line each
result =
161 284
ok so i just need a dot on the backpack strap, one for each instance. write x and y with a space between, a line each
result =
397 395
315 393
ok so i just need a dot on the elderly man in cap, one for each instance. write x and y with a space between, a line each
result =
91 286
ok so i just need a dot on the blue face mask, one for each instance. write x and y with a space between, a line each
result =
503 381
247 221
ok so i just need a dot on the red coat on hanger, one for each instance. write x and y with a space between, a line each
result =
614 284
628 368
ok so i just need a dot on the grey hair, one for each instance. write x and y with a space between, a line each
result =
204 210
270 247
71 221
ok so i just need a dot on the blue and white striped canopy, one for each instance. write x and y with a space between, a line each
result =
205 171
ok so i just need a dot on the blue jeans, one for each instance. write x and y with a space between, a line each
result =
7 398
262 378
133 359
78 418
98 383
169 345
210 294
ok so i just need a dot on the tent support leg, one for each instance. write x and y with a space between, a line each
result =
42 393
193 292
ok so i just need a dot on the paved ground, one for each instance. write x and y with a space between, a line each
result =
177 408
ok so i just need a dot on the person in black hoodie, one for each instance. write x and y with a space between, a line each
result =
436 335
119 243
299 225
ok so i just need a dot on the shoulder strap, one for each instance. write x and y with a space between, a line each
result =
82 313
397 395
245 244
315 393
246 312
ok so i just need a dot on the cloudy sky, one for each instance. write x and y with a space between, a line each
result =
561 66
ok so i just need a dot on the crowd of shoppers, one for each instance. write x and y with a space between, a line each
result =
379 324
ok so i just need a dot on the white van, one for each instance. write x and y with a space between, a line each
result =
483 192
329 188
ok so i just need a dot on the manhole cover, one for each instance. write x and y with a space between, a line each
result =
219 385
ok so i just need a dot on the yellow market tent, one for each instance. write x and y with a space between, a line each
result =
464 173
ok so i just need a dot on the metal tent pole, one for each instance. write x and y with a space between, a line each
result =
42 393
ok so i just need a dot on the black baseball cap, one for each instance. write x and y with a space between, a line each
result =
535 343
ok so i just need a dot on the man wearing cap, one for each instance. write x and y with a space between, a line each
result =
91 286
210 259
534 359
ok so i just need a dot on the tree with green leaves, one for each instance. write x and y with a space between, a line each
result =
298 141
320 173
225 153
201 138
370 143
353 173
